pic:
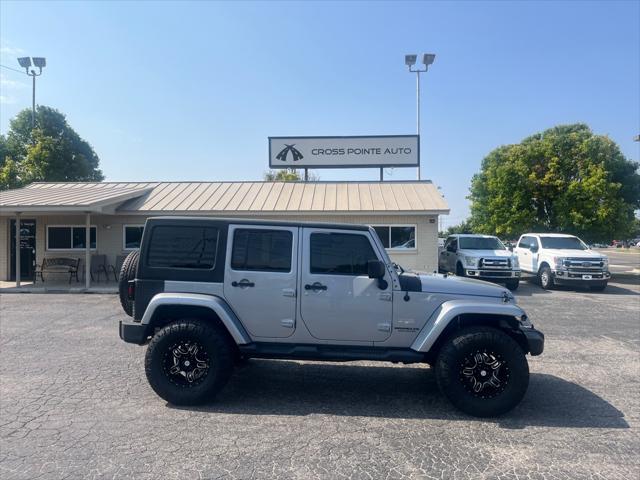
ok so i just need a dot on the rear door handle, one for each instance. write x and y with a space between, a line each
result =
243 283
316 286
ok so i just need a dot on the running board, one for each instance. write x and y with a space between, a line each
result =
335 353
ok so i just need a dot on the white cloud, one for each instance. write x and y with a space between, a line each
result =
8 84
8 50
5 100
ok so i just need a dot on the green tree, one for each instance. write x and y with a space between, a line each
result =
52 151
462 227
565 179
287 175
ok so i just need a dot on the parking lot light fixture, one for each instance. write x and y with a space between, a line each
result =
40 62
410 61
25 62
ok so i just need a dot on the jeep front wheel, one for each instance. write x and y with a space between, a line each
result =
189 361
482 371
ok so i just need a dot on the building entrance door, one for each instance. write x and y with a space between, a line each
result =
27 249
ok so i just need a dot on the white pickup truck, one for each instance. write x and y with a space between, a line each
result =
559 259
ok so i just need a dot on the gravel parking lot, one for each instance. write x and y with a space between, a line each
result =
74 403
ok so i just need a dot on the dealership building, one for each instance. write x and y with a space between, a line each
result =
53 217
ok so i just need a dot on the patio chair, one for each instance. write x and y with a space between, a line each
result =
118 267
98 266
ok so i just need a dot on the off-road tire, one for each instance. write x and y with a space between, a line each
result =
545 277
513 284
598 287
215 343
455 386
459 270
127 272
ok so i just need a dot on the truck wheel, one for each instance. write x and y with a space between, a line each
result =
189 361
513 284
599 287
459 270
545 277
482 371
127 272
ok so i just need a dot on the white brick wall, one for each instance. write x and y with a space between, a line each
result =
110 228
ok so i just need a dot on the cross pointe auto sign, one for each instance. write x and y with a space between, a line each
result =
341 152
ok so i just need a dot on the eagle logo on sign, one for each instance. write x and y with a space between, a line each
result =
295 153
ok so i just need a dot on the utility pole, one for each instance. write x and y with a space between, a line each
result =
410 61
40 63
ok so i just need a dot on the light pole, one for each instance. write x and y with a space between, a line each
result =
40 62
410 61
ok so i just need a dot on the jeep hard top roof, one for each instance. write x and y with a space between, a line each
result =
168 219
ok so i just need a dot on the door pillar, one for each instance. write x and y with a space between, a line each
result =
17 249
87 252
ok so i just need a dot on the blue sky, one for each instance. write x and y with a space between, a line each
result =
191 91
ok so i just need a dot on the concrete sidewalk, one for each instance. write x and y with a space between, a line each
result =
59 287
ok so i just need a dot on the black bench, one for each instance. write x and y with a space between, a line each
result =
58 265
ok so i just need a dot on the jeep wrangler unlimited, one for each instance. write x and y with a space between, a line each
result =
206 292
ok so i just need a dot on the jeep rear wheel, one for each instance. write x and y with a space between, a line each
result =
482 371
189 361
545 277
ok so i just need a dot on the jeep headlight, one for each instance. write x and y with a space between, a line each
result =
605 263
470 261
515 262
558 261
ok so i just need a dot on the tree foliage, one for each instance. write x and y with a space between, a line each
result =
463 227
565 179
52 151
287 175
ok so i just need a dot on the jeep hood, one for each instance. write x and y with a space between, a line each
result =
452 285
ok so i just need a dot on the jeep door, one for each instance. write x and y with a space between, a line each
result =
338 301
260 278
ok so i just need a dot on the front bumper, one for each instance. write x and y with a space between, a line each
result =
494 275
535 340
134 332
568 277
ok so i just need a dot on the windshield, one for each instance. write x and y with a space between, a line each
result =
480 243
563 243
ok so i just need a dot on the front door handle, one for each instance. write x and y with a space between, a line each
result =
243 283
316 287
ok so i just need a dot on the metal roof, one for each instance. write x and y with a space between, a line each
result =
229 198
100 197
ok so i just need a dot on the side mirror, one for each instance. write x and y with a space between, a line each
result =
533 248
375 269
510 247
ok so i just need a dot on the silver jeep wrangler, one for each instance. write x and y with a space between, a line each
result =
205 293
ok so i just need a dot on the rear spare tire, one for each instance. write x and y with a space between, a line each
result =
127 272
482 371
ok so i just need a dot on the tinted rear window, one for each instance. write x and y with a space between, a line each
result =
340 253
183 247
262 250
